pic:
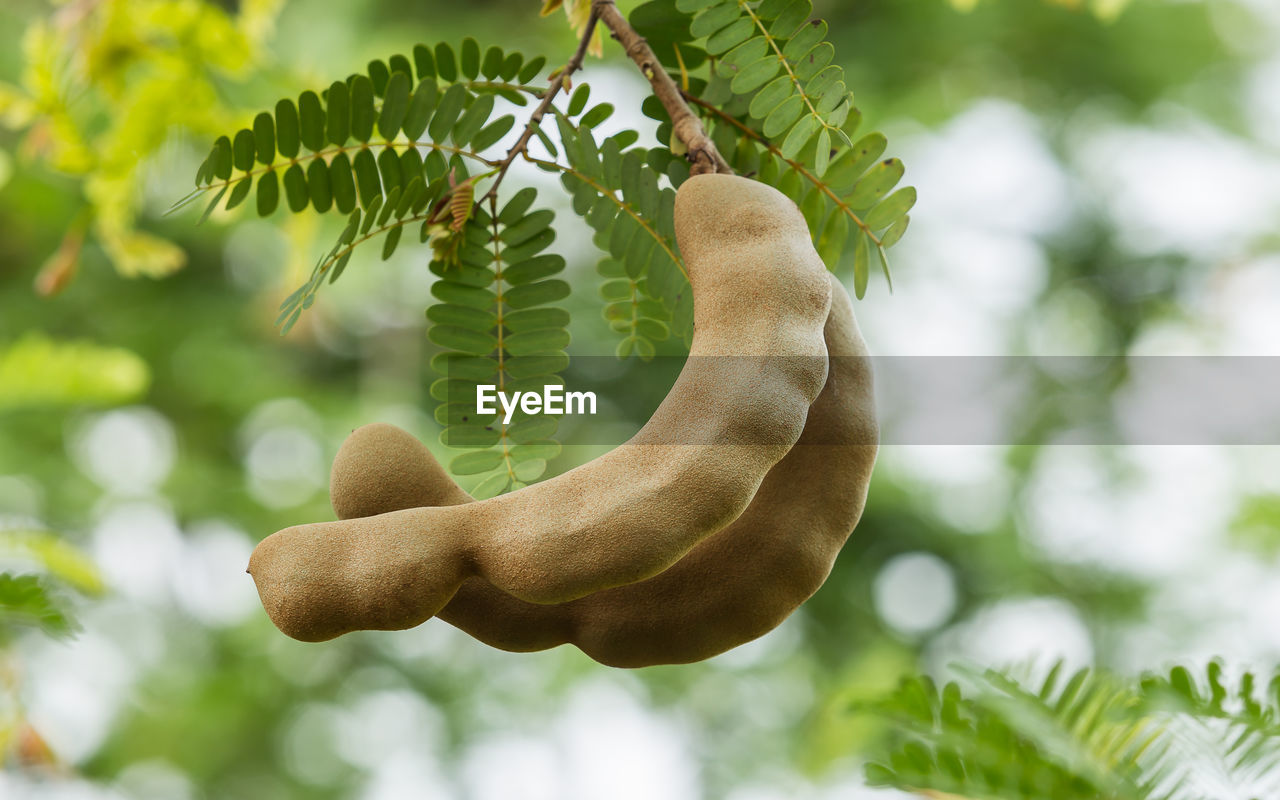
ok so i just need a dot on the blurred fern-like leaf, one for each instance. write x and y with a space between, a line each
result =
30 601
1090 735
36 569
1062 739
1226 730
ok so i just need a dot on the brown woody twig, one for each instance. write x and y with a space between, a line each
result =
702 152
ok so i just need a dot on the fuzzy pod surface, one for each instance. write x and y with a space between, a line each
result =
731 588
759 290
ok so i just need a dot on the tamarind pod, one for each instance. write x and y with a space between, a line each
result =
759 289
731 588
381 468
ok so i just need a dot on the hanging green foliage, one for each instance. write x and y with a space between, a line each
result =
1089 734
413 143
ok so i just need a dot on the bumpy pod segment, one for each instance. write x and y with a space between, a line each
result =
731 588
759 289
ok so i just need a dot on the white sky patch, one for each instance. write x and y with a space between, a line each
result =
22 787
1166 520
303 665
1017 630
127 451
1173 338
284 455
285 467
1003 272
846 786
772 648
1245 308
1180 184
308 746
138 547
503 766
1070 323
955 289
967 485
955 465
989 169
1223 608
387 722
72 707
721 695
429 643
1257 469
1226 401
402 775
915 593
616 748
210 582
155 780
924 317
989 187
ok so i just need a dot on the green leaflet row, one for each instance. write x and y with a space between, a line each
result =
1084 734
497 322
618 190
775 56
362 137
857 201
779 110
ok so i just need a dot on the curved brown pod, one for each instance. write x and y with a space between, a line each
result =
733 587
759 289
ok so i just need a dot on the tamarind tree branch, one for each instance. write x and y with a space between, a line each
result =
702 152
560 81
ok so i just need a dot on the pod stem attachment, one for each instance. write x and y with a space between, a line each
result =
701 151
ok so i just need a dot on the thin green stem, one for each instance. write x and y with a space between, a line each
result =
503 437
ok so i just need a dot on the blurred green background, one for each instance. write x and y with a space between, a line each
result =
1095 179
